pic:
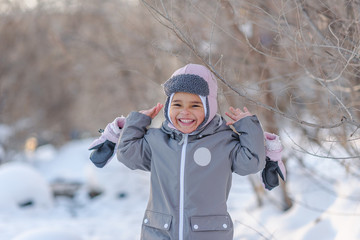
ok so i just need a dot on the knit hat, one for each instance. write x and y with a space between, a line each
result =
195 79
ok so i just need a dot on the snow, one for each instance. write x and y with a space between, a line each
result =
326 200
16 180
46 234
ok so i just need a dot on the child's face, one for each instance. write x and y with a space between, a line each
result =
186 112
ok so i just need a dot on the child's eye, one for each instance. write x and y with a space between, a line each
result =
196 106
176 105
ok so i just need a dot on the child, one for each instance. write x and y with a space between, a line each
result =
191 157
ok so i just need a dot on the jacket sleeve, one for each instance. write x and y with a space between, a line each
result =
248 156
133 149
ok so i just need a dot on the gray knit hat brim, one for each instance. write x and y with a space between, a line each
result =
189 83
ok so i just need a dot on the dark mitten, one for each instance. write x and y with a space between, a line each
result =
102 153
104 146
270 174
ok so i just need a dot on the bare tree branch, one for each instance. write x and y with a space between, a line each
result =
170 24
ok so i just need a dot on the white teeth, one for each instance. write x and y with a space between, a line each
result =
186 121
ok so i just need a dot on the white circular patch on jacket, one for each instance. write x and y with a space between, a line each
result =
202 156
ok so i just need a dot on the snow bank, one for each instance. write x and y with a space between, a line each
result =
22 185
326 201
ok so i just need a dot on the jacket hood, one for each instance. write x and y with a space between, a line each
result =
196 79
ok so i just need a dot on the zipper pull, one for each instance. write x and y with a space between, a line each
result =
183 139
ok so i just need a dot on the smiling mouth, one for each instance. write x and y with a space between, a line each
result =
186 121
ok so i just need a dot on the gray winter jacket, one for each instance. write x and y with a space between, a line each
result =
190 174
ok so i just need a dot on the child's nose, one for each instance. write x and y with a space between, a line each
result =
185 111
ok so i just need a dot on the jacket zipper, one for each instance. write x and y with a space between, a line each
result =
182 180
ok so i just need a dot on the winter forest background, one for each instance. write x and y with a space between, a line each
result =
68 67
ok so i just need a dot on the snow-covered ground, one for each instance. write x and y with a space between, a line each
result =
326 204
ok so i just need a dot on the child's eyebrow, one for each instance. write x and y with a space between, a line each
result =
197 102
192 102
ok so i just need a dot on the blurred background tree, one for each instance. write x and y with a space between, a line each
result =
69 67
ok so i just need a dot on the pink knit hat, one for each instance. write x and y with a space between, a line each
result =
196 79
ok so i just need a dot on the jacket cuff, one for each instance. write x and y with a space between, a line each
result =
138 119
244 124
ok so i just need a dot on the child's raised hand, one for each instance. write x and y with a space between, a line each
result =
153 112
237 114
